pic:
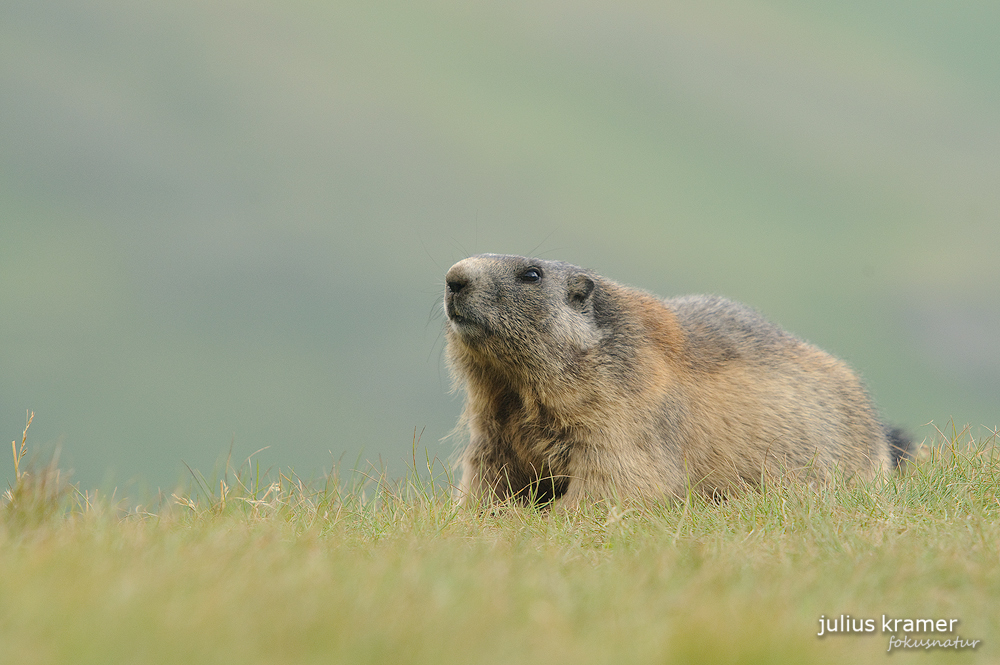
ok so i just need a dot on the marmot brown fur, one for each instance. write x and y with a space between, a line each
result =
580 387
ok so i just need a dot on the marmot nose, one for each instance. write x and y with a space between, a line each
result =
458 277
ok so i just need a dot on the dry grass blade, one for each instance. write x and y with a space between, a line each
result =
40 492
19 455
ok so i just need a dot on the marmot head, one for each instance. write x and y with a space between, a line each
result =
526 318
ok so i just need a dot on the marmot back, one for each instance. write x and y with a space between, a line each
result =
580 387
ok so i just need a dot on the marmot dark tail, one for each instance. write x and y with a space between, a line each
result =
901 446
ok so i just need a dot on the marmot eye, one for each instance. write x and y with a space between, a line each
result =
531 275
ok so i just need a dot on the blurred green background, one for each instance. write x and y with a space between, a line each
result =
227 223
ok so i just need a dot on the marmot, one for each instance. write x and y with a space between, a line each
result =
581 387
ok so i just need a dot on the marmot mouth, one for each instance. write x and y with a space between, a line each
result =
467 327
465 321
455 317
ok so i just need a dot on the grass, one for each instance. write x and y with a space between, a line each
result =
247 567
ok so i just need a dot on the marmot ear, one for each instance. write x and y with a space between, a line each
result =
578 289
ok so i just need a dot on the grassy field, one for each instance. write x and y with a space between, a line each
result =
249 568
